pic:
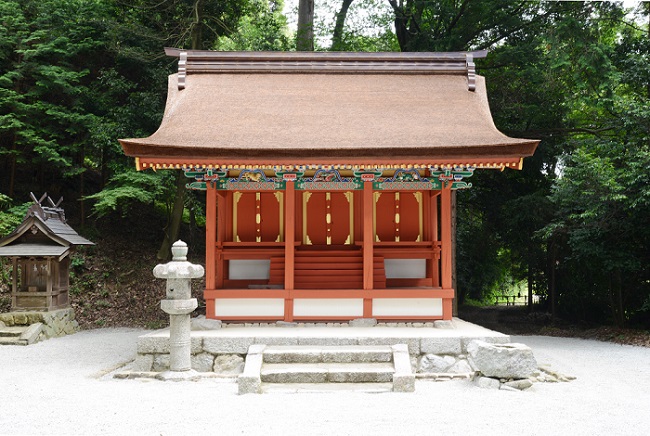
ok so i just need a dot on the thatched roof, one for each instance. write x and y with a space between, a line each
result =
43 232
321 108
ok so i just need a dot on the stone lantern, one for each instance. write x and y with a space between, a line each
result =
179 305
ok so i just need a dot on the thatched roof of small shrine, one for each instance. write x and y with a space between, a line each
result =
43 232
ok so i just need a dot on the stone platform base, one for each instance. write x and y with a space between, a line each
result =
24 328
223 350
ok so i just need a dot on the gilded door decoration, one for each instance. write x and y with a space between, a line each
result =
257 216
328 218
398 216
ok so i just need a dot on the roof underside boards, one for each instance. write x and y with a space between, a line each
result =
33 250
315 117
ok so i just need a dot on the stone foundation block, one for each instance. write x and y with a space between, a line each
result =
226 345
277 340
160 362
160 345
202 362
228 364
413 343
327 341
142 363
440 345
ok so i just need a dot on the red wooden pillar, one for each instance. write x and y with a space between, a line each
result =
289 247
368 247
210 244
222 211
445 239
434 262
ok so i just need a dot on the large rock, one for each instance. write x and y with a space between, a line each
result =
514 361
202 362
434 363
228 364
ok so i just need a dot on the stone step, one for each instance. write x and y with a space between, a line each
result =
292 367
14 340
12 332
21 335
290 388
327 372
327 354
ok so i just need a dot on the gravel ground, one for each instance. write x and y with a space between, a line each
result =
64 386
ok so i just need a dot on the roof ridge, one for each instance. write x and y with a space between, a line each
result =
220 62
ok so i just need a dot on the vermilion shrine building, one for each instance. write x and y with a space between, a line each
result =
328 176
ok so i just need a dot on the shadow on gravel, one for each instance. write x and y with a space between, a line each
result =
515 320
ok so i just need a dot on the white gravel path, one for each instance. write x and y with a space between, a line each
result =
60 387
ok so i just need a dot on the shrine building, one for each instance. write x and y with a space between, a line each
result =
328 177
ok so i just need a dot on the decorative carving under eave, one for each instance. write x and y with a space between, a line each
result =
471 72
255 179
182 69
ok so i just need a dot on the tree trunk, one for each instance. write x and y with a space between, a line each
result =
530 286
305 33
337 35
616 297
173 229
12 176
551 281
197 26
401 24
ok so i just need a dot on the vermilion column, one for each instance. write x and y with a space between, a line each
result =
368 247
210 244
445 239
222 211
434 262
289 246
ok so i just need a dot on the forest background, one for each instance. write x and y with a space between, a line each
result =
571 227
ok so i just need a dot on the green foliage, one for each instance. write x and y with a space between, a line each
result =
264 28
10 216
76 75
128 188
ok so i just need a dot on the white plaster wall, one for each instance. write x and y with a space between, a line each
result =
255 269
406 307
248 307
315 307
405 268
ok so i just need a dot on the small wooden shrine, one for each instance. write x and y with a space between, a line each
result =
328 176
40 251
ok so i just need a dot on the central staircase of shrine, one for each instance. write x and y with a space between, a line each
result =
370 368
328 269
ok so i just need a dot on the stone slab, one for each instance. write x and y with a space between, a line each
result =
236 338
326 387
